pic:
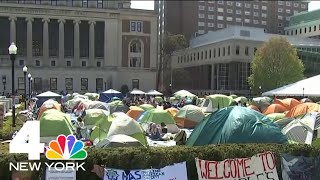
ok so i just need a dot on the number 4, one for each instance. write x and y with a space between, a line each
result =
30 132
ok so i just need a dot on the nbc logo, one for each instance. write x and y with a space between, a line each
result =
66 148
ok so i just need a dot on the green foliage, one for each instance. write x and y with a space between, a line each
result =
275 64
141 158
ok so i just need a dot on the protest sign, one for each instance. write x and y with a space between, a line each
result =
174 172
53 174
259 167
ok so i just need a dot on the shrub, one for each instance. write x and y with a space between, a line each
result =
142 158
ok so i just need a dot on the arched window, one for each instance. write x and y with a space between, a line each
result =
136 53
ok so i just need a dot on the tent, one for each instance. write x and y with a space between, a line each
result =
47 95
189 116
253 107
118 106
154 93
97 105
91 116
49 104
275 108
137 92
305 87
183 93
303 109
135 113
92 96
236 125
107 96
146 107
217 101
158 116
54 123
119 140
275 116
289 103
302 129
173 111
304 100
241 99
261 102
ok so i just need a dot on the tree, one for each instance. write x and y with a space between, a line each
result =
171 43
275 64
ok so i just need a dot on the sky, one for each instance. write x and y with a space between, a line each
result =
313 5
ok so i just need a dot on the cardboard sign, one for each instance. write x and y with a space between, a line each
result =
60 175
259 167
166 173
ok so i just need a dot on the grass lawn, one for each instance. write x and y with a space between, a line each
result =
4 148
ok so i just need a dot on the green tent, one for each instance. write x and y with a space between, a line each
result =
146 107
91 116
241 99
191 112
233 96
158 99
276 116
236 125
118 123
92 96
54 123
217 101
183 93
118 106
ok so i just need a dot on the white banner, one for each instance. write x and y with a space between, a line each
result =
166 173
60 175
259 167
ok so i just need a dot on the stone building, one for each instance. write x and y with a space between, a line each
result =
220 61
79 46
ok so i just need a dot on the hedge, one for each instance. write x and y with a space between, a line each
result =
142 158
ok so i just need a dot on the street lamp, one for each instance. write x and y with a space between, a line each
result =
250 89
13 52
4 81
260 90
25 69
29 77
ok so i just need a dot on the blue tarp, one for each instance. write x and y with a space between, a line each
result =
108 95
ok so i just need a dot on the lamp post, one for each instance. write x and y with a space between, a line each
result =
250 89
29 78
25 70
13 52
302 92
105 86
260 90
4 81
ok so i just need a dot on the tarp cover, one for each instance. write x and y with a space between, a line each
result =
236 125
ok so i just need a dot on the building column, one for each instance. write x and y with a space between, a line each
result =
13 29
46 40
76 44
29 40
91 43
61 41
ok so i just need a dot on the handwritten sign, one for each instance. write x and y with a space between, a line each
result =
166 173
60 175
259 167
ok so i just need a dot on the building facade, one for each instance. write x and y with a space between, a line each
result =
220 62
193 18
78 49
306 24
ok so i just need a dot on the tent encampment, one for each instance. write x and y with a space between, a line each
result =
47 95
189 116
107 96
217 101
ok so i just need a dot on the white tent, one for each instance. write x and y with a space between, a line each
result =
306 87
111 91
184 93
137 91
49 94
154 93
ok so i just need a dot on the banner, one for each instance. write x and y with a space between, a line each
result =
166 173
60 175
259 167
300 168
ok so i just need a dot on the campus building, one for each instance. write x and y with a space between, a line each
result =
194 18
78 46
305 24
220 61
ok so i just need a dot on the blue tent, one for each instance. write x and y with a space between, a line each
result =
47 95
109 95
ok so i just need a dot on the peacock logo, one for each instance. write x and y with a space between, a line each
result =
66 148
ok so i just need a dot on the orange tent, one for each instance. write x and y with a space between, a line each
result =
135 112
253 107
185 123
303 109
49 105
172 111
275 108
289 103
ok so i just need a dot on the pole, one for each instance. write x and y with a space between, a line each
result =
25 90
29 87
13 57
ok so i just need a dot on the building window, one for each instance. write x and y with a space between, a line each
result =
84 3
263 22
84 84
305 30
229 18
229 3
20 83
288 3
99 84
256 14
238 4
219 52
53 63
135 83
210 54
238 11
229 11
100 4
238 20
205 55
264 15
53 83
198 56
255 21
288 11
201 7
220 2
229 49
300 30
280 2
210 8
310 29
201 15
21 63
279 25
280 17
135 54
214 52
280 10
220 18
246 51
237 50
201 31
68 63
37 84
247 20
98 64
295 4
303 6
255 6
247 13
210 16
210 25
69 84
83 63
37 63
314 28
220 9
200 23
224 51
264 7
201 55
220 25
247 5
136 26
